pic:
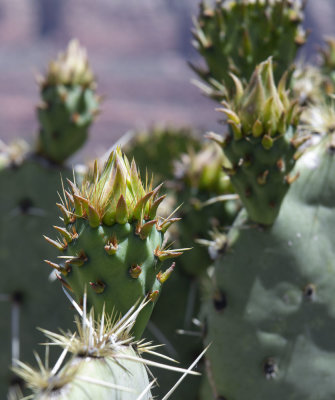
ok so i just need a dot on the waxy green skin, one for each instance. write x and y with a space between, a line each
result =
66 114
130 374
22 249
121 289
250 161
274 291
240 36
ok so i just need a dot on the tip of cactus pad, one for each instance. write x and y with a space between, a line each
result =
112 243
107 338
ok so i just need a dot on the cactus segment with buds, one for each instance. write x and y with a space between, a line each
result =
156 150
262 142
105 362
235 36
204 189
282 311
112 242
69 104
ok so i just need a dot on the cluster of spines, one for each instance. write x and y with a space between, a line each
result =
85 204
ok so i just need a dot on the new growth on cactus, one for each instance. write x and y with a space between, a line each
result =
69 104
112 242
262 143
105 361
235 36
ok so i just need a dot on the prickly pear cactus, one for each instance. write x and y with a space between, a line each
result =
235 36
262 142
327 56
30 182
204 189
112 240
68 104
156 150
274 292
27 202
105 362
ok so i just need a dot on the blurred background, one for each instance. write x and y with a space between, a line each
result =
138 50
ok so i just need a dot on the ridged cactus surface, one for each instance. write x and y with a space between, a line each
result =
68 104
262 142
112 239
235 36
274 292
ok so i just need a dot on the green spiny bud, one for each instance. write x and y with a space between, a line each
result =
68 104
114 246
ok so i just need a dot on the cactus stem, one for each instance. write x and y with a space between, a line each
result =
98 287
163 276
135 271
57 244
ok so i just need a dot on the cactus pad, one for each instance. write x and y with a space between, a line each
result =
274 291
112 242
261 143
68 106
235 36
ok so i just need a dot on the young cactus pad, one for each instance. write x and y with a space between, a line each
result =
262 142
112 242
69 104
235 36
105 362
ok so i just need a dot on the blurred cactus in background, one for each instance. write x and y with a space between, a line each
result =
31 178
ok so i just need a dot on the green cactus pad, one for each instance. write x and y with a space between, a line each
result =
156 149
274 291
112 245
27 202
261 142
69 104
235 36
